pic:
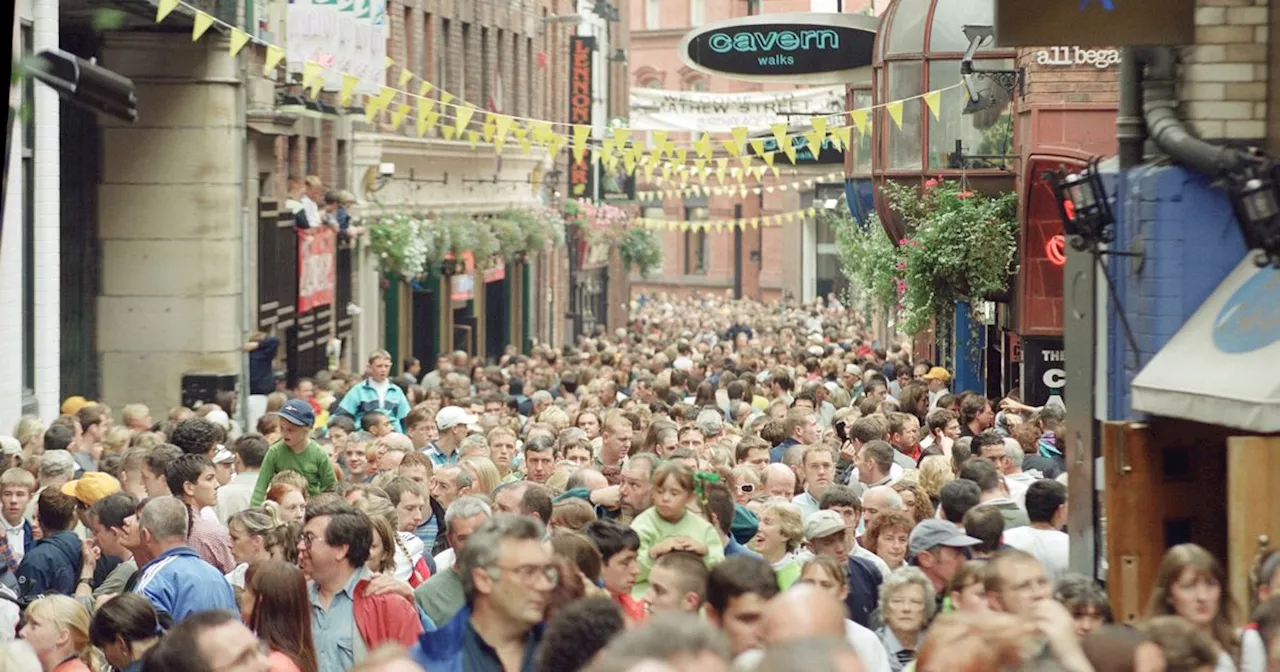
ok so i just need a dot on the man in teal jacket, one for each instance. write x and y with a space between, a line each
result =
375 393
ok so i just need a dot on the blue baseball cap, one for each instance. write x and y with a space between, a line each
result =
298 412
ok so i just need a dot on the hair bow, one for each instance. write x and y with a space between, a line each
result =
701 477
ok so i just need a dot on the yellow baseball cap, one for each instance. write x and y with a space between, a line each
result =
91 487
937 373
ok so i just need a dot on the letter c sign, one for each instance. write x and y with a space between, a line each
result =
1055 379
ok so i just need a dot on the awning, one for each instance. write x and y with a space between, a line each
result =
1220 368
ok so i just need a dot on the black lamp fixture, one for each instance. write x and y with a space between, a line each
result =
1256 197
1083 206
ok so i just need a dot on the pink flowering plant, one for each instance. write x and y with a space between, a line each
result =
607 224
960 245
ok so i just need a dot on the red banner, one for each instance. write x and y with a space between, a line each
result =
317 267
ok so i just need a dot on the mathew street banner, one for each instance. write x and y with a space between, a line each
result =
660 110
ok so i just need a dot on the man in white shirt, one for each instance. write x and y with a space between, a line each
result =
819 467
234 496
1044 538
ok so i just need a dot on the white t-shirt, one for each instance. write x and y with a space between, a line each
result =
870 650
444 559
381 388
405 563
1050 547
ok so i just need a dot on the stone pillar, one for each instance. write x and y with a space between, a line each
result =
170 220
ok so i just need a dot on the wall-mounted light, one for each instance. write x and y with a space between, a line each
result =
1256 197
1083 206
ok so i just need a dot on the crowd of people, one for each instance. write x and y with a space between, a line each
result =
723 485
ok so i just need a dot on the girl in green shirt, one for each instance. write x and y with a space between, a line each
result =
669 526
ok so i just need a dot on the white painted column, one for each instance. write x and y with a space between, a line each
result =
48 225
11 273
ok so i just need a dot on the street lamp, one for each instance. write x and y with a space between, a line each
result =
1083 206
1256 197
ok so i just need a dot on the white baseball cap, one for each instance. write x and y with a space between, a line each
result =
454 415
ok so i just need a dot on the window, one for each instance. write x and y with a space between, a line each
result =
697 12
341 174
861 141
309 161
652 14
531 78
696 251
695 83
408 38
987 133
486 67
905 81
428 47
466 85
442 65
753 7
28 226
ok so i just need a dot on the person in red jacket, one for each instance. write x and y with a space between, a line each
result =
332 551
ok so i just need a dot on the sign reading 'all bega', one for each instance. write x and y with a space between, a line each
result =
581 50
785 48
317 267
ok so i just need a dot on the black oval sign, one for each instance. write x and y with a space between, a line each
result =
819 48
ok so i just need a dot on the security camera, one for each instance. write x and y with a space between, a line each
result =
387 169
87 84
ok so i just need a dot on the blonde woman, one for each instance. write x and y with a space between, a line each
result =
906 607
249 531
934 472
484 474
778 538
57 627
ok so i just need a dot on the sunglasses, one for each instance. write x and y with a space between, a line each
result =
747 488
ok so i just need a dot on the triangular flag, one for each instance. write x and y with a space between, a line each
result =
239 38
463 116
859 118
199 25
448 132
580 134
768 158
348 87
731 147
703 146
474 138
425 122
424 89
310 70
660 139
621 136
934 100
815 142
164 7
405 77
895 112
775 170
398 116
780 134
388 62
503 123
757 146
681 154
274 56
316 85
445 97
385 96
819 125
739 138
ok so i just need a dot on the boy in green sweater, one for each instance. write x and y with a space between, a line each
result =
295 451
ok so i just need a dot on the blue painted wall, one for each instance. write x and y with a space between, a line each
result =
968 351
1190 241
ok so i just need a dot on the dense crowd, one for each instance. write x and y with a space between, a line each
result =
720 485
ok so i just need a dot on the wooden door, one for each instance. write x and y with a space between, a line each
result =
1165 484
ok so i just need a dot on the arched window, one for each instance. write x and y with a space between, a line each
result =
649 78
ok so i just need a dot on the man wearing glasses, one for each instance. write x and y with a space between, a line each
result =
346 621
508 575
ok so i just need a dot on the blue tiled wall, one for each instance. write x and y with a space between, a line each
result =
1190 241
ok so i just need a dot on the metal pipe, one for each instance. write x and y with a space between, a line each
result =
246 260
1166 129
1130 130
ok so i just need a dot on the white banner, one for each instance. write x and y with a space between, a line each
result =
344 36
657 109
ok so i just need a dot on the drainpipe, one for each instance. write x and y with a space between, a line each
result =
1130 131
1166 129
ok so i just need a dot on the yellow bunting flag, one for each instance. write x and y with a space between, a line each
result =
814 139
199 25
768 158
503 122
859 118
731 147
934 100
473 137
895 112
405 77
681 154
580 134
448 132
844 135
819 125
388 62
274 56
424 89
348 87
489 127
385 96
424 121
445 97
397 117
316 85
757 146
790 151
239 38
621 136
780 135
739 138
703 146
164 7
775 170
463 116
310 70
660 139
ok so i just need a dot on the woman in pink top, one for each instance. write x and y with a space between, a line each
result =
57 628
276 607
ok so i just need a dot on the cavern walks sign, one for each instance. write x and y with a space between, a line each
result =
785 48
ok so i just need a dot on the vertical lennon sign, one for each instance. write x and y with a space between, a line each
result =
581 49
317 267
